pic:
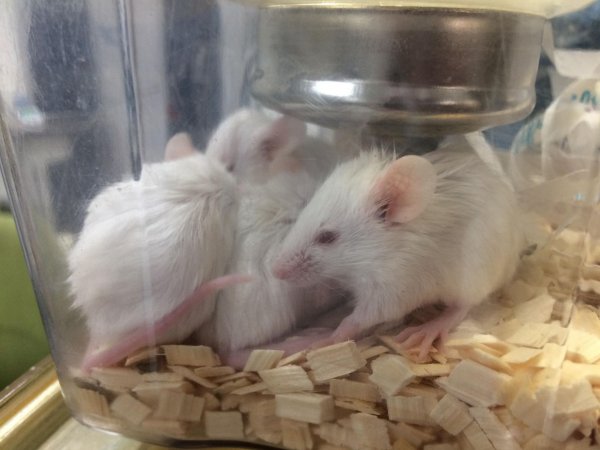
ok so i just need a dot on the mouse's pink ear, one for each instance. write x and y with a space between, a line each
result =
179 146
405 189
280 137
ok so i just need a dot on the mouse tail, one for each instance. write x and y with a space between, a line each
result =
140 337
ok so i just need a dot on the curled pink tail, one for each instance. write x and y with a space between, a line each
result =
142 335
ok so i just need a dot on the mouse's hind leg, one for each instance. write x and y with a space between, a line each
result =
423 336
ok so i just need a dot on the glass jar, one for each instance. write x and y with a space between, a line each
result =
309 224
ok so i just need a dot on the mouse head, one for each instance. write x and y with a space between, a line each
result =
347 228
254 147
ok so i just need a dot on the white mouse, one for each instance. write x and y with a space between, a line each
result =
266 308
255 147
400 234
147 245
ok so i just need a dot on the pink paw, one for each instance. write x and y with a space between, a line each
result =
422 337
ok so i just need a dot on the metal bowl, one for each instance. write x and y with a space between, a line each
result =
398 71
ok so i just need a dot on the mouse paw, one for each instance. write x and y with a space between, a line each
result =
423 336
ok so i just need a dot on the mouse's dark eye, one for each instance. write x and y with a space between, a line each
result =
230 167
326 237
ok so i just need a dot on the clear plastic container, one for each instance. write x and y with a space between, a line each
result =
225 249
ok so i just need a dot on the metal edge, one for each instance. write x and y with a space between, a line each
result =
31 408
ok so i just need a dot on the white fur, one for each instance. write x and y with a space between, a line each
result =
239 141
146 245
257 312
459 250
274 194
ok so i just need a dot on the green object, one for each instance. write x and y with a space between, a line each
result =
22 338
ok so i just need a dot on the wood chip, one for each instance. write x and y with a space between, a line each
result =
144 355
337 435
538 309
230 402
403 444
224 425
129 409
250 389
179 406
296 358
235 376
422 390
476 384
228 388
358 405
305 407
589 286
438 357
475 436
92 402
587 320
212 372
211 403
451 414
282 380
573 372
392 344
372 352
354 390
296 435
575 399
486 342
173 428
487 359
116 378
552 356
162 377
535 412
189 374
262 360
541 442
335 361
264 422
414 435
331 447
370 431
537 335
506 329
431 370
413 410
190 355
521 355
149 392
495 430
391 373
442 446
583 347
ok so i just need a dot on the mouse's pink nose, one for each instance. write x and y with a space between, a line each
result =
281 271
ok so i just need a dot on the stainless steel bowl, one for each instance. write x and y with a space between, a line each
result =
398 71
